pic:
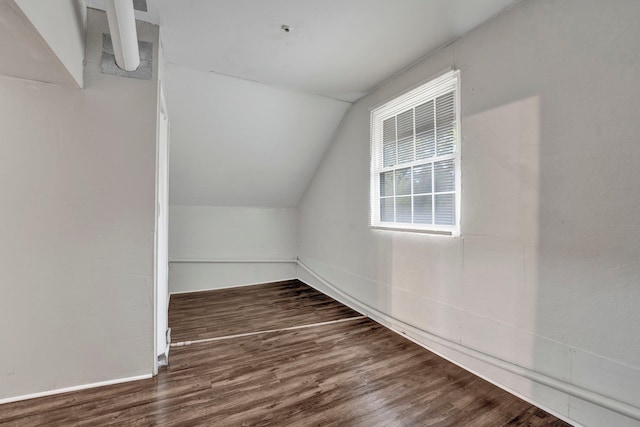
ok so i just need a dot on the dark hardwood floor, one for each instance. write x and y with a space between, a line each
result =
209 314
353 373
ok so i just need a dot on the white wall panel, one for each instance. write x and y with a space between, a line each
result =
187 277
77 180
238 235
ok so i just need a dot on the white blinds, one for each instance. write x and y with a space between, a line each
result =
414 160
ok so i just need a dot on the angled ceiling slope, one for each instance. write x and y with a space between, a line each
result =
42 41
240 143
253 107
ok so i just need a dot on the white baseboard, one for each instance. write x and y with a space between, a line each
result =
74 388
241 285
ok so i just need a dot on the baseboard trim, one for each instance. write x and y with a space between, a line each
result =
74 388
232 287
419 336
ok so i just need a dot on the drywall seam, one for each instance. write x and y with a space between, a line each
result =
562 386
74 388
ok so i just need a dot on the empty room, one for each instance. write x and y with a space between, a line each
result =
320 213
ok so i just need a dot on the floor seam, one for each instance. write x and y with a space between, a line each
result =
268 331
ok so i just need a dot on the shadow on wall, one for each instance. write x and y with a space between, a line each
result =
552 255
479 289
589 234
500 231
545 274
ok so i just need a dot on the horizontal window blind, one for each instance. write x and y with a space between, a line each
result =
415 166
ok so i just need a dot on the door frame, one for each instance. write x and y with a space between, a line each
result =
161 154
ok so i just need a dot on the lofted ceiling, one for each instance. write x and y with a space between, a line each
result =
253 107
235 142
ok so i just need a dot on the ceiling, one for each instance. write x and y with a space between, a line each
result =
237 143
335 48
253 108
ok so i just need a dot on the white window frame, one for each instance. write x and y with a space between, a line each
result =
441 85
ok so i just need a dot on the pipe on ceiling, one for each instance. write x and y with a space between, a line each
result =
122 25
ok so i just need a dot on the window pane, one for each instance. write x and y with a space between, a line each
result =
444 176
405 124
403 209
422 179
446 141
424 117
422 213
425 135
389 141
445 209
389 154
386 209
405 137
415 172
445 121
389 130
403 181
425 145
386 184
405 150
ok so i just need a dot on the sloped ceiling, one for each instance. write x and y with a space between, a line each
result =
253 108
24 53
236 142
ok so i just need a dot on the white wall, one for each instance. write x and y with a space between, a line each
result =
545 274
241 246
62 25
77 179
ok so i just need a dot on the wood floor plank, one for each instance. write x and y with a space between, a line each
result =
210 314
355 373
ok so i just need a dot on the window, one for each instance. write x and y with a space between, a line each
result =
415 159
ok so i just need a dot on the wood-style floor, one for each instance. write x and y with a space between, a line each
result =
351 373
201 315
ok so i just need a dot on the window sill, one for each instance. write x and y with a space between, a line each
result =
435 232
